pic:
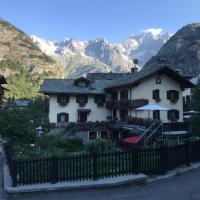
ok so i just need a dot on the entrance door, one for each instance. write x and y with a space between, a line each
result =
83 116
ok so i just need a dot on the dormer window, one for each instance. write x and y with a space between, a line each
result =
81 82
158 80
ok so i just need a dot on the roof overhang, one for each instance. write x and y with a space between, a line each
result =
163 70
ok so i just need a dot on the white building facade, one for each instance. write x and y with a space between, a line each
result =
116 98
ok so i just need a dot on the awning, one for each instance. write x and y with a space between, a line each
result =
152 106
132 140
84 110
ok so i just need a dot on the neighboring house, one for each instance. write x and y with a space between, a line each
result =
101 98
2 90
187 95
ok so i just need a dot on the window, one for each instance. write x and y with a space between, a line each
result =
92 135
156 95
62 117
82 84
173 95
63 99
156 115
82 116
158 80
173 115
104 134
82 100
124 94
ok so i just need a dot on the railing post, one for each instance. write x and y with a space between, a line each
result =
14 172
94 158
187 154
163 159
54 170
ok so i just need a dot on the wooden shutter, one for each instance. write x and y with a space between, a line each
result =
77 98
177 114
58 98
66 117
59 117
154 94
95 98
169 114
177 95
86 98
169 94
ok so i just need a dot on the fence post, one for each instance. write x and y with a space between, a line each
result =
187 154
94 158
163 159
54 170
14 172
135 161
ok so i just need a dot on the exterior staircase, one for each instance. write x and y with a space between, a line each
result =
151 135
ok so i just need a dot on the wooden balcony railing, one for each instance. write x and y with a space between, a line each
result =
126 103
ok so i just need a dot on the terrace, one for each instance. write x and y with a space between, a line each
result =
126 103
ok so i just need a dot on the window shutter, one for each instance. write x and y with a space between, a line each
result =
168 94
169 114
77 98
177 114
95 98
58 98
177 95
86 98
154 94
58 117
66 117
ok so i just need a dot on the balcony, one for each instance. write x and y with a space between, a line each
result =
126 103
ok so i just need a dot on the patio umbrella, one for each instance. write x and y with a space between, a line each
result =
152 106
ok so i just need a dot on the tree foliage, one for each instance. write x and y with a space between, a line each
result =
17 126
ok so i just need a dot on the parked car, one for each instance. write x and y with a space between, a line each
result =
133 130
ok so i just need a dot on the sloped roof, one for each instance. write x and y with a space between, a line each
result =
98 86
67 86
136 77
107 76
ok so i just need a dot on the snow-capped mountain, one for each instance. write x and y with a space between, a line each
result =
80 57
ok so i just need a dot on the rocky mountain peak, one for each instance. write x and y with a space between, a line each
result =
181 51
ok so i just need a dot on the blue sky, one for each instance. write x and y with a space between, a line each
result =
89 19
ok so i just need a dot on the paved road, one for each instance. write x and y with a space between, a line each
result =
183 187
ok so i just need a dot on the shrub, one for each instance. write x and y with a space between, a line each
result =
98 146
